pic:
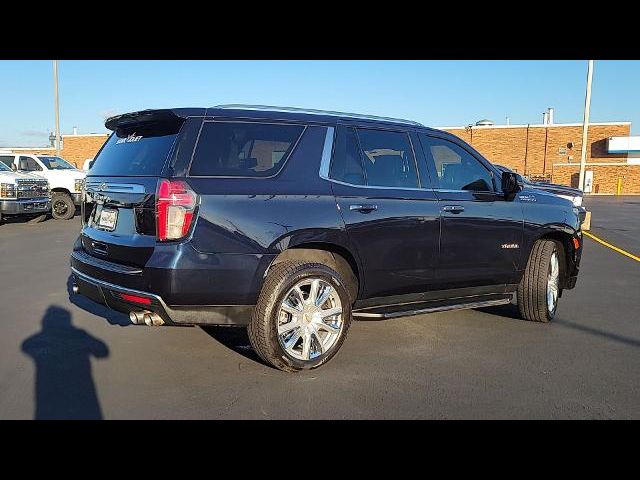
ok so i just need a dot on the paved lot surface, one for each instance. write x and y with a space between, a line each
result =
60 360
616 220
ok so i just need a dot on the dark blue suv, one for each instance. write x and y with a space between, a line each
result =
292 221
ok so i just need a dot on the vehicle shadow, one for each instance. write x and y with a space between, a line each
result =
508 310
111 316
234 338
64 387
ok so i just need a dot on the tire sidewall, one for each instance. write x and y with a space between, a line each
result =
306 271
68 201
551 314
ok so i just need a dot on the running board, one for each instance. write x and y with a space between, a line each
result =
432 309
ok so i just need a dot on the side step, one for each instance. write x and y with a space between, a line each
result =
394 311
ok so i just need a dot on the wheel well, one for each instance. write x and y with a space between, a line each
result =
565 253
334 256
61 190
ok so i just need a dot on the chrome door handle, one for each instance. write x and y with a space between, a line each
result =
363 208
453 208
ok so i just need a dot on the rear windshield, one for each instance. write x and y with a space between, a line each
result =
141 152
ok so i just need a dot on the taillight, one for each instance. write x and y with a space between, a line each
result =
175 203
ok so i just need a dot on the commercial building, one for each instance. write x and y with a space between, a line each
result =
551 152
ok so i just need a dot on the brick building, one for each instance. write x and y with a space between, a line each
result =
74 148
546 151
552 152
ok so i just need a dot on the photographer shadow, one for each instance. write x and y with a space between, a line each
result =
64 386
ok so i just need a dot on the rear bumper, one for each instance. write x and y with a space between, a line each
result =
20 207
109 294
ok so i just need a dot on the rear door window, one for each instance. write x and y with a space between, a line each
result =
142 152
243 149
375 158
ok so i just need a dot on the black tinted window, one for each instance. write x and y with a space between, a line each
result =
457 169
28 164
7 160
388 159
241 149
346 165
140 152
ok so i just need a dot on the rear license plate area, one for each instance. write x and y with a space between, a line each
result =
107 219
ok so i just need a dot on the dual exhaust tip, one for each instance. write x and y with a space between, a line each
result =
145 317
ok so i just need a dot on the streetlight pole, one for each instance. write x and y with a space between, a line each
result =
56 105
585 126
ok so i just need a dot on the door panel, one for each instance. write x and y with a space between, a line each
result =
481 231
397 242
394 224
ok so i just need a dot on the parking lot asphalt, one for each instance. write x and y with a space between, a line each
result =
60 360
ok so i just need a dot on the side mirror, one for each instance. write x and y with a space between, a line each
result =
510 184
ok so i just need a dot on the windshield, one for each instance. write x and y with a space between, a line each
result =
56 163
4 168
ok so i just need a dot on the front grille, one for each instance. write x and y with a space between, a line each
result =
32 188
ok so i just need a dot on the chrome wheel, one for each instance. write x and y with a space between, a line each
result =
552 282
310 319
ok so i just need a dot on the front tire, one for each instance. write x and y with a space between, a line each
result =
302 316
539 289
62 206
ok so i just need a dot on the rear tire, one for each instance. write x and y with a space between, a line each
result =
62 206
290 330
539 289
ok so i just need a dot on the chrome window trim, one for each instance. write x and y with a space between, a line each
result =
327 151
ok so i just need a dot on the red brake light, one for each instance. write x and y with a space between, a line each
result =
175 204
135 299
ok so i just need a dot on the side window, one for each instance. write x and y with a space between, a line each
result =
243 149
457 169
29 164
388 159
7 160
346 165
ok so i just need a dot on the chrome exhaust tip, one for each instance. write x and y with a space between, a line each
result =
137 318
75 288
153 319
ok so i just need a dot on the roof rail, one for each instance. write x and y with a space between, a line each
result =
312 111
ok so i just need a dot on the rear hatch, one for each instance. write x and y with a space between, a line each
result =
119 207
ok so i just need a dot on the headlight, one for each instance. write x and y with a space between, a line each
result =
576 200
79 184
7 190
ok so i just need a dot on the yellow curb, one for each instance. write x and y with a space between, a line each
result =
612 247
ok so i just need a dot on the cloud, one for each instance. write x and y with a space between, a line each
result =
34 133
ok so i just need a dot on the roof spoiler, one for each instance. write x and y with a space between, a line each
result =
125 120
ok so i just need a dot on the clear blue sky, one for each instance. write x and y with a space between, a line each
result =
436 93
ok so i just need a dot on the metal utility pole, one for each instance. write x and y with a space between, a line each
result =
585 126
56 105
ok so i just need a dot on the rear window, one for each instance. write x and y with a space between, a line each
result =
142 152
243 149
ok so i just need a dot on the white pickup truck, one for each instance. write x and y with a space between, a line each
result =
65 180
22 194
